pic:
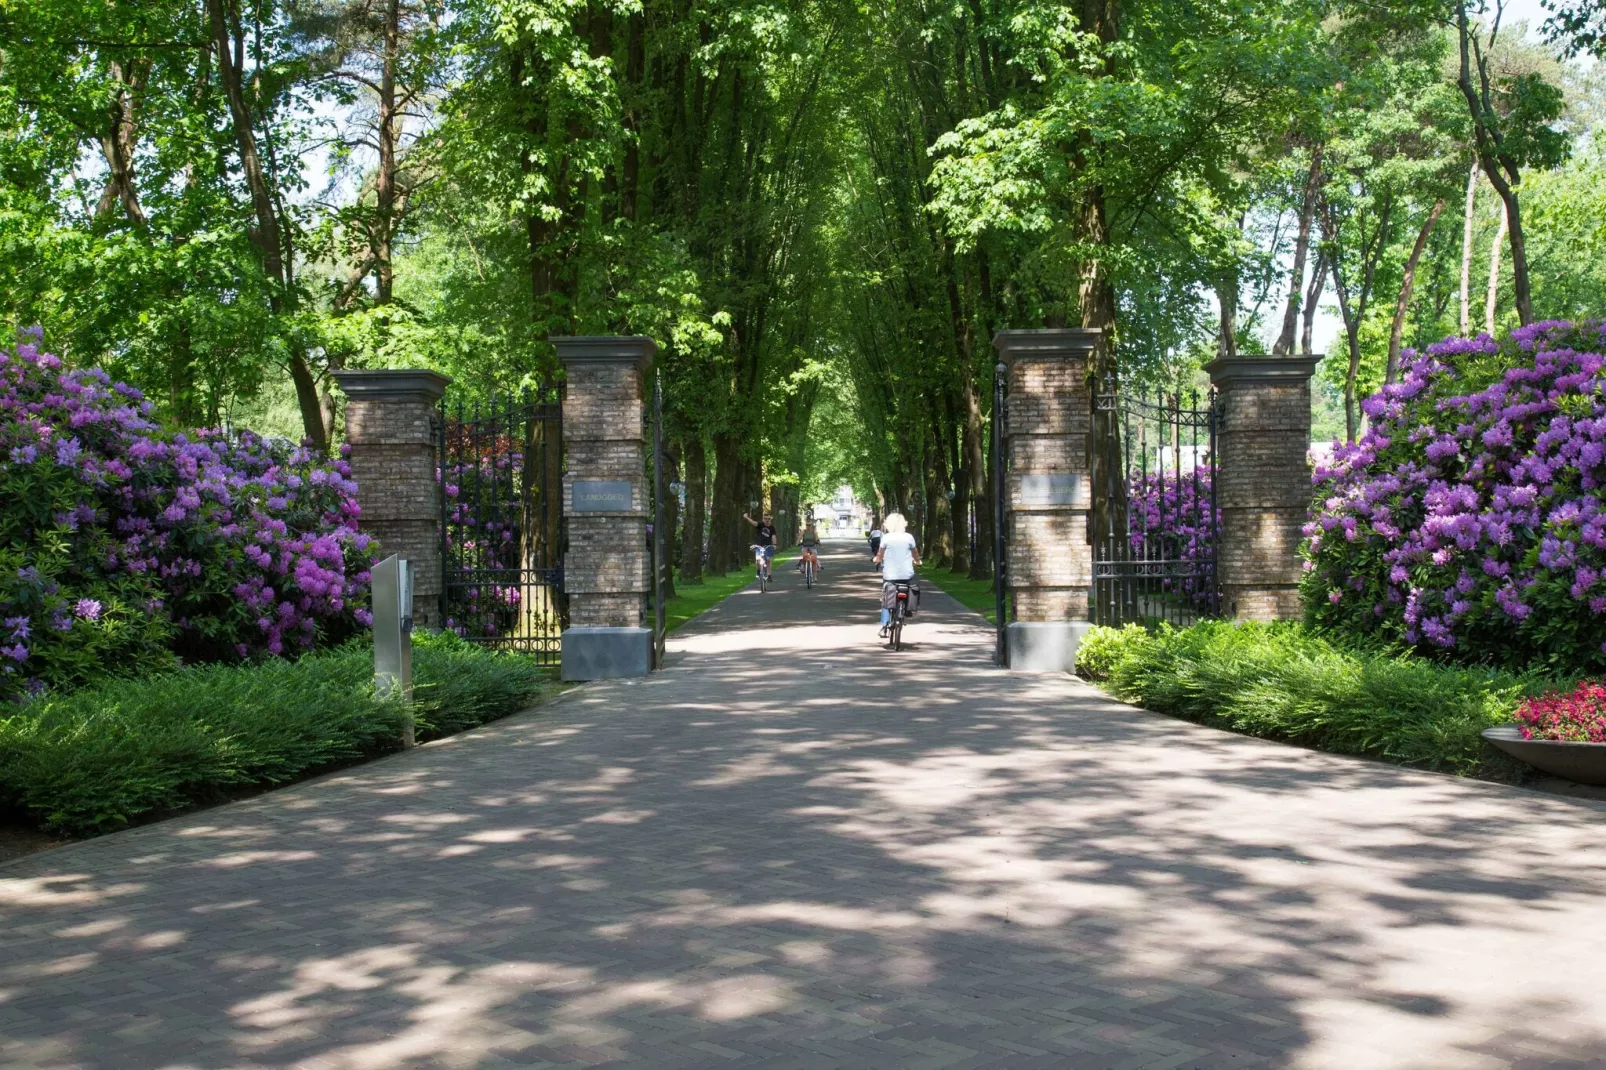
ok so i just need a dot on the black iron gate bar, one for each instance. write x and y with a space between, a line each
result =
501 525
1156 557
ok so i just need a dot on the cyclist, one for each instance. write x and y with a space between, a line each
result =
898 557
810 541
765 538
875 539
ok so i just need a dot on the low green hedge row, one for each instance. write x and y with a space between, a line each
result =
1283 681
93 760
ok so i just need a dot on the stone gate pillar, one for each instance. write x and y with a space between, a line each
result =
391 429
605 500
1263 485
1047 493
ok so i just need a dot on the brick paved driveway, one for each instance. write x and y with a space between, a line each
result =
791 849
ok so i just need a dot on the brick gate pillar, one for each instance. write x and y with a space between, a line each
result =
1047 493
605 500
1263 485
390 426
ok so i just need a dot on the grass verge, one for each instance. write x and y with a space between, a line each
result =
94 760
1281 681
694 598
971 593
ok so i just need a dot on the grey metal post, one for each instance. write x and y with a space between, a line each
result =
393 632
1001 651
659 542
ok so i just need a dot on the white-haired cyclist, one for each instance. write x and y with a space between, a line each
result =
898 557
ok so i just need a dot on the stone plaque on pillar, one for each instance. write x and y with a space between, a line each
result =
605 571
1263 482
390 426
1046 426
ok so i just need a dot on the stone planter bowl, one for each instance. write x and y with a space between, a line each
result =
1583 763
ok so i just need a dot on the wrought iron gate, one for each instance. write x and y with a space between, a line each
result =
1155 522
500 464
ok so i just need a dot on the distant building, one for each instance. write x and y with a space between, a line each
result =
844 513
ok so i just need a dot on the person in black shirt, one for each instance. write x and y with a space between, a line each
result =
765 538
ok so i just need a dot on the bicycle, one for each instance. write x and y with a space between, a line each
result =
761 565
808 570
900 609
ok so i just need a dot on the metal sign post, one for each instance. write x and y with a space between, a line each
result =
660 537
393 631
1000 519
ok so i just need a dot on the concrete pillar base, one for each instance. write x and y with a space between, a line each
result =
606 653
1044 645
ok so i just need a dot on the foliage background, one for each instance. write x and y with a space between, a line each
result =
823 210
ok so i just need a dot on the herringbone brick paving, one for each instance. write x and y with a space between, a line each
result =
793 849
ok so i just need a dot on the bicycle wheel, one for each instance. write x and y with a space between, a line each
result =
897 631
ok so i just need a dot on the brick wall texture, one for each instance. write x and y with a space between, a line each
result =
1047 423
1263 491
392 443
605 571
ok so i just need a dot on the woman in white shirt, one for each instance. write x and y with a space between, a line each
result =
898 556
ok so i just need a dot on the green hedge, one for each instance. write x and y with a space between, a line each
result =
94 760
1282 681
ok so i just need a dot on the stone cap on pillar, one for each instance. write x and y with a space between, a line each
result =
634 349
1054 343
412 383
1226 372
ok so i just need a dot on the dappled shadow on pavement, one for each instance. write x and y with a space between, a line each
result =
794 848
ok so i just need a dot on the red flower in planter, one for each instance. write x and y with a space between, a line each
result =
1577 718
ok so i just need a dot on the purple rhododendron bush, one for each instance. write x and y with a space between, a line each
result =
1170 519
1470 520
127 549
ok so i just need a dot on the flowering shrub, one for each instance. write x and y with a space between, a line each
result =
1173 519
482 507
1471 518
1576 718
124 548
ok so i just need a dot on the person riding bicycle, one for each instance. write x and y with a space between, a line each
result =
810 541
765 538
898 557
875 541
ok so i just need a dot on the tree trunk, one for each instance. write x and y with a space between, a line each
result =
1492 300
1109 512
120 141
730 502
1352 335
959 480
1466 250
269 234
1498 164
691 538
383 233
1397 332
940 543
1313 296
1227 303
1296 276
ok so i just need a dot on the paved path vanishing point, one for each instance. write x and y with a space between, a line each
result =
794 849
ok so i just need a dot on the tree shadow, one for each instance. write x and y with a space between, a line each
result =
787 850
